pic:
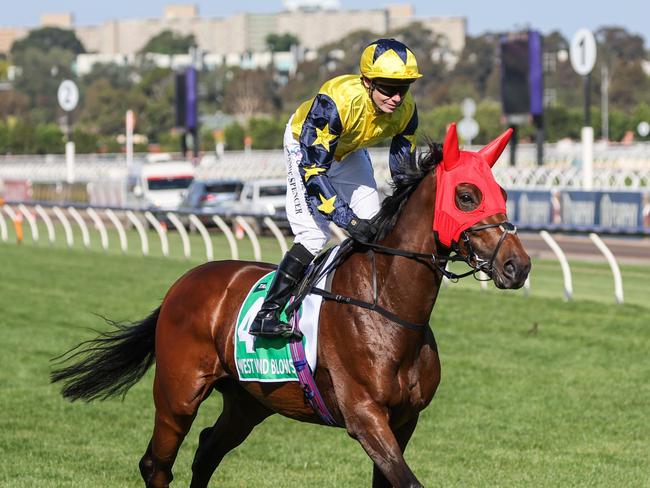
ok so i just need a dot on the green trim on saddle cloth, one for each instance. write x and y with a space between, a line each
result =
260 358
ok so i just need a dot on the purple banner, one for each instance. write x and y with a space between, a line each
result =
190 99
536 78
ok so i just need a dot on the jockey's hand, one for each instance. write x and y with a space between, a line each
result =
362 230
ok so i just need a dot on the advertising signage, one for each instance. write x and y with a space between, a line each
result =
579 211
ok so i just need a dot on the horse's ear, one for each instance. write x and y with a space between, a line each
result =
450 151
493 150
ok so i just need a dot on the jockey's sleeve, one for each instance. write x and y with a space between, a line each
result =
318 140
402 148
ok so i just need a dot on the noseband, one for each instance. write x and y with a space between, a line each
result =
480 264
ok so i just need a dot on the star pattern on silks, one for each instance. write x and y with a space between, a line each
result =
313 170
327 205
411 138
323 137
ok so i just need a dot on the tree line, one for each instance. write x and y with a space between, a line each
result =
236 103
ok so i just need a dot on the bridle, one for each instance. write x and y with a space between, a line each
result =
438 262
469 257
480 264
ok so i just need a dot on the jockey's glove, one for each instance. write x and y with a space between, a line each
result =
361 230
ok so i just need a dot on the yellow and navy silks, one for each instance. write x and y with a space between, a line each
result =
339 120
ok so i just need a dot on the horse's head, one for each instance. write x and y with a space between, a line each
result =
470 214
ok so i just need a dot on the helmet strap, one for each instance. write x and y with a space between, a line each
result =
371 88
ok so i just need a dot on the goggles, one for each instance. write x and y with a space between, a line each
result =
391 90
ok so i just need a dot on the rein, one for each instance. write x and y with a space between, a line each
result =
439 262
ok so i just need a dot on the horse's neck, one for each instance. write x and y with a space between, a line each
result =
413 229
413 284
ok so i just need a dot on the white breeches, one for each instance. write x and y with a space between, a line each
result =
353 180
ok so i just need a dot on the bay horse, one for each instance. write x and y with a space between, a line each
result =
190 336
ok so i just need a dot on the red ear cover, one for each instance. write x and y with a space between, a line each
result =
493 150
450 151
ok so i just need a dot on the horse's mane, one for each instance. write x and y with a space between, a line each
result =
410 176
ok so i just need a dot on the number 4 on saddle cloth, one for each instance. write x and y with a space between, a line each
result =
274 359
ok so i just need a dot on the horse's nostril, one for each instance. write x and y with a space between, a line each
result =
509 268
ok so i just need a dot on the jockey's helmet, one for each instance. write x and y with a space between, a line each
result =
389 60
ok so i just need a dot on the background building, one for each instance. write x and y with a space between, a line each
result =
244 33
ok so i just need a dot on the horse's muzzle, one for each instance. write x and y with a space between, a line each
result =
512 272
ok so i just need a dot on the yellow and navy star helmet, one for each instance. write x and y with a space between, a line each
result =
389 59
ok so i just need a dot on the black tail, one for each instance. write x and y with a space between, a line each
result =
111 363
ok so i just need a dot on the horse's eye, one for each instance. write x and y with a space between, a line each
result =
468 197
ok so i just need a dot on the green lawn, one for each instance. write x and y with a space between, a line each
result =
560 403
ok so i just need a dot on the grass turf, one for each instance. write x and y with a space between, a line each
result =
560 403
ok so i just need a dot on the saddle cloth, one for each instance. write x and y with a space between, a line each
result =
269 360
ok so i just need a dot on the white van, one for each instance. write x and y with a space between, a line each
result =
262 197
158 184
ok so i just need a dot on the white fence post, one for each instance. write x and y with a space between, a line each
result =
446 281
69 237
51 235
232 242
9 211
162 234
483 280
31 220
618 280
277 233
144 242
124 243
527 285
196 222
187 249
566 270
4 234
85 235
257 250
11 214
99 225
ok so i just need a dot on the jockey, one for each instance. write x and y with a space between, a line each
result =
329 172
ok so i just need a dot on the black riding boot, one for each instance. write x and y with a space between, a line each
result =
267 323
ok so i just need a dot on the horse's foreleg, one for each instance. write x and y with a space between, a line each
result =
370 426
241 413
403 435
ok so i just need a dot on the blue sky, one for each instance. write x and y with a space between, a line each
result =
482 15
